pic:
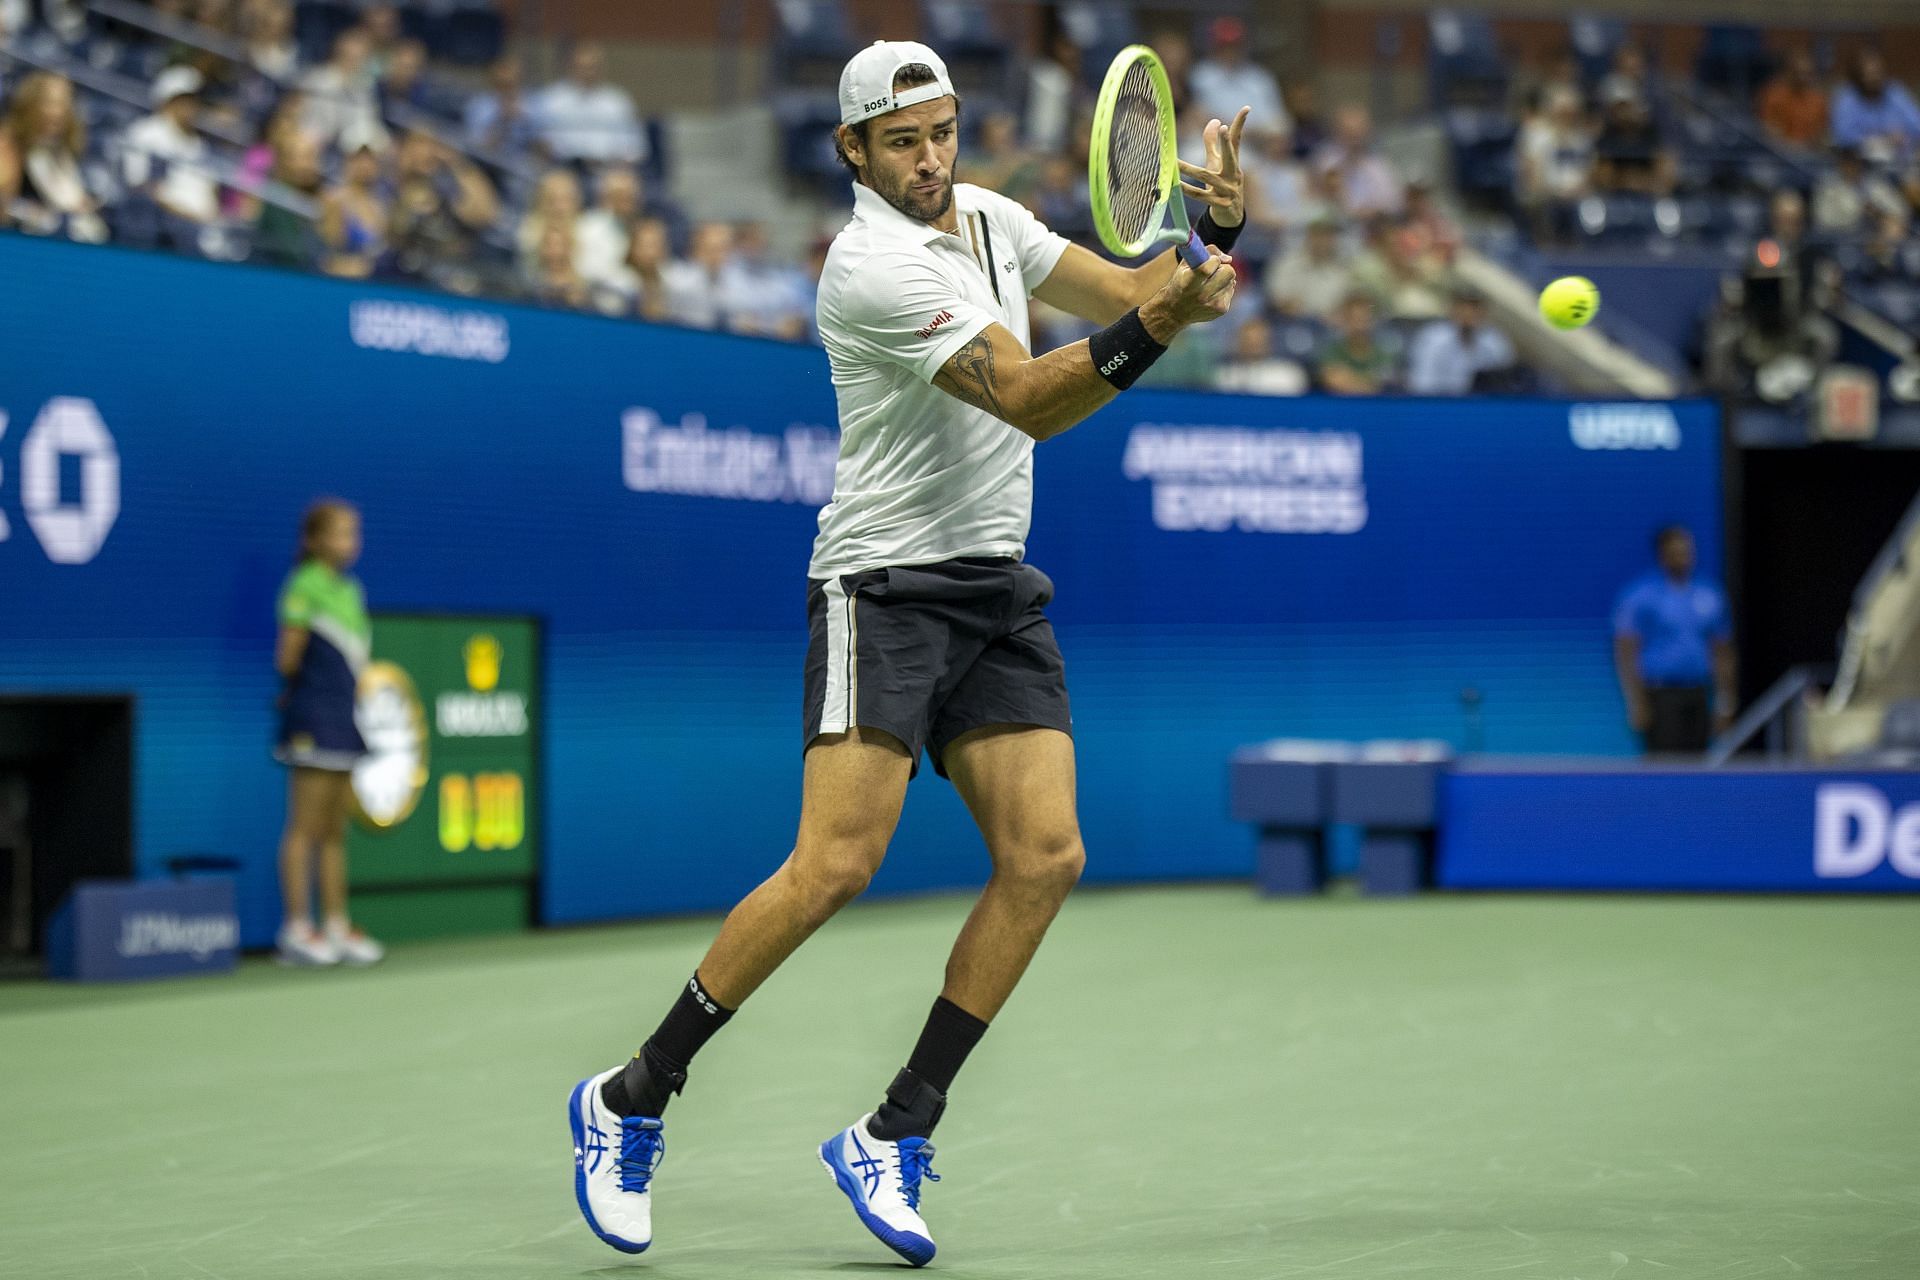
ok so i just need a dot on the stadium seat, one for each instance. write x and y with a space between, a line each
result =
1100 31
317 23
1464 64
964 31
474 34
1733 59
812 40
1595 39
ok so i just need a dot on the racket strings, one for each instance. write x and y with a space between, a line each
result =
1133 149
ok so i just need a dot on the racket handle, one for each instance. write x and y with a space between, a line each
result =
1193 253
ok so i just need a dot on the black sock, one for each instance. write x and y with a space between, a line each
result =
918 1095
659 1070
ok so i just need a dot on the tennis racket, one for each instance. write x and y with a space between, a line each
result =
1133 171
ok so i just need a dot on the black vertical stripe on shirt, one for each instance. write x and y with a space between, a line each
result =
993 268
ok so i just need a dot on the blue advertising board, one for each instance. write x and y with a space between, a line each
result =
1756 828
124 931
1230 569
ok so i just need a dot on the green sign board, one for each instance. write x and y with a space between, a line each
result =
447 795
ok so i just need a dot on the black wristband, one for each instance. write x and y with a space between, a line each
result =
1122 351
1211 232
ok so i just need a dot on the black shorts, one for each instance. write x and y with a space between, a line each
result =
933 651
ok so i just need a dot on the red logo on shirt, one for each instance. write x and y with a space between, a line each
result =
938 320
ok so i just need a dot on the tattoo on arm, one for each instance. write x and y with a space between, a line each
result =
969 376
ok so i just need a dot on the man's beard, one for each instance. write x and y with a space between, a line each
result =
922 208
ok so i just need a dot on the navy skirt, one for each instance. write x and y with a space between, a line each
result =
317 732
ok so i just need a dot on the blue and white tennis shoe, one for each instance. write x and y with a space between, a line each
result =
882 1179
613 1163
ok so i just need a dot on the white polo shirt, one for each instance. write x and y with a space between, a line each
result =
923 477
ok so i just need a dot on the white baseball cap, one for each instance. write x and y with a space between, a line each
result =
176 82
866 85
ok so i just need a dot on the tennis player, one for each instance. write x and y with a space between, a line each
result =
927 627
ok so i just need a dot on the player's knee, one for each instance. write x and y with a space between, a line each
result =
833 875
1049 863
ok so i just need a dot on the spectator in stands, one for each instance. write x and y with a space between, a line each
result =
1787 220
1280 194
1054 89
1536 88
1454 356
1060 200
650 261
500 121
1888 253
283 237
353 215
380 22
1368 184
1354 363
1437 235
554 280
1627 80
1848 194
1405 277
1226 80
442 204
166 159
1629 155
267 28
776 299
340 93
1554 164
1253 368
1673 652
1001 163
1874 113
404 87
257 165
603 236
1793 105
706 289
1313 277
583 118
1176 53
43 186
556 202
1303 108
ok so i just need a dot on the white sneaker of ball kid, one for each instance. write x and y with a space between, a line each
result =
613 1162
353 946
882 1179
300 943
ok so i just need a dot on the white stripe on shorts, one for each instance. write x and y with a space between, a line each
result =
843 677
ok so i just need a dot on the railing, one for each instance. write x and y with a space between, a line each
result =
1777 713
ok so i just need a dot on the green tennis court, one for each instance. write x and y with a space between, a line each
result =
1191 1083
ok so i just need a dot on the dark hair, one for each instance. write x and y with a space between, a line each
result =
911 76
321 513
1667 532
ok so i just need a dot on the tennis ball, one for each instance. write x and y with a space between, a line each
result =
1569 302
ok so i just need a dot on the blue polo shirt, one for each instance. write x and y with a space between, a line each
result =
1676 624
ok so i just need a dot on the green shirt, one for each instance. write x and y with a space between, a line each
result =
329 603
1372 363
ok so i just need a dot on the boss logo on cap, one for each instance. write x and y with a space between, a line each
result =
876 104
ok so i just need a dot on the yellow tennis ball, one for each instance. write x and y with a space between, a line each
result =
1569 302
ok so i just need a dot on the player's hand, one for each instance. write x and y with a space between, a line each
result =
1190 296
1220 184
